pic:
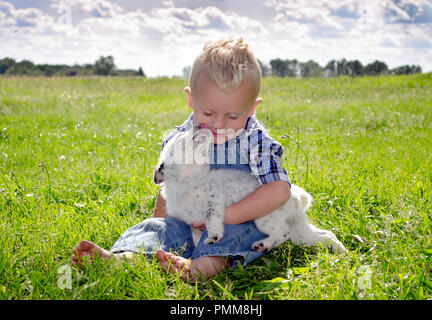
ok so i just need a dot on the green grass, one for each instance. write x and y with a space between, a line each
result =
77 158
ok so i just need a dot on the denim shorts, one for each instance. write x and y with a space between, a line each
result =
173 235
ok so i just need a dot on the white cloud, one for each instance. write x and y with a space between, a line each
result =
354 29
96 8
165 37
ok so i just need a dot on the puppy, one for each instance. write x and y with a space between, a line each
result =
193 192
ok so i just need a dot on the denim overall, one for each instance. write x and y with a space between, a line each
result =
174 235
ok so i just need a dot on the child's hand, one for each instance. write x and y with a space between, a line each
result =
200 224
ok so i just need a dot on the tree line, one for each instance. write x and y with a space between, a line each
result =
342 67
103 66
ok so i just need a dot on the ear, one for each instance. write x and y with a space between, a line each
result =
256 103
189 96
158 176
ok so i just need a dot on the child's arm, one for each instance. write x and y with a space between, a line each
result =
160 207
259 203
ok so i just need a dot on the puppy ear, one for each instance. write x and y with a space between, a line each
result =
158 176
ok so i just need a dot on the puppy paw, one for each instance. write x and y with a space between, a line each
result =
259 246
212 240
338 247
334 244
215 233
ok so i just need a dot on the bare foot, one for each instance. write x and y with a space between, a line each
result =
192 270
88 249
171 262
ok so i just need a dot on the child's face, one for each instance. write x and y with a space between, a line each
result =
224 113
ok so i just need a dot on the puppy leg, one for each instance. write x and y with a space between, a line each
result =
215 215
273 240
302 232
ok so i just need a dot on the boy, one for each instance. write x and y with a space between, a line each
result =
224 84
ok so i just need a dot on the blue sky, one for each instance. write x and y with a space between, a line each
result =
164 36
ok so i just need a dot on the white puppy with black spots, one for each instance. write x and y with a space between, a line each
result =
193 192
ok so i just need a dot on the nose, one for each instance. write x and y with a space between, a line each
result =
218 123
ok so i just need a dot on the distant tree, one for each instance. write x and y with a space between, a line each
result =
26 64
50 70
265 69
285 68
87 69
310 69
330 69
342 67
5 64
25 67
417 69
186 71
406 69
376 68
294 68
355 68
104 65
141 72
279 67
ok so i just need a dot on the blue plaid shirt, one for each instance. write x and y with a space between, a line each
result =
253 150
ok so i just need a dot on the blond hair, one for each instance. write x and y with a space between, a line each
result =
228 62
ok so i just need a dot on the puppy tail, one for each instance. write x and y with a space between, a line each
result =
305 200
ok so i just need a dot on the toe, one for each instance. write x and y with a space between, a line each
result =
85 245
167 260
181 263
161 255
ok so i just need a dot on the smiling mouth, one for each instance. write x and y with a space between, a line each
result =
220 135
213 131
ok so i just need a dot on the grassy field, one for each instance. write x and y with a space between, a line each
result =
77 158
